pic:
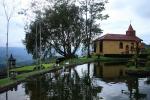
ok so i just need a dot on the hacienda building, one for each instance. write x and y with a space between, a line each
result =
118 43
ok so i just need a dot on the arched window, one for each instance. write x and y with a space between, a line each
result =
127 49
95 47
121 45
101 46
132 47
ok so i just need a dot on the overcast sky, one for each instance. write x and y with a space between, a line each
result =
121 13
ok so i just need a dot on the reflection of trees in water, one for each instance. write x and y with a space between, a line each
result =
67 86
148 81
133 87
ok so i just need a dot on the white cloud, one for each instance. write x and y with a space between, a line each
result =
121 12
16 30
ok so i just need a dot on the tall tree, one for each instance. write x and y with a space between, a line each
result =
93 11
62 29
9 10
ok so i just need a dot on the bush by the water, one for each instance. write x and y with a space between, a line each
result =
148 57
148 65
38 67
130 63
125 55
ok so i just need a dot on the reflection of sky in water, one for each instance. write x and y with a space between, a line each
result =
15 95
82 69
144 88
112 91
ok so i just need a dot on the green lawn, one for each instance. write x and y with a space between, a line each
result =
20 77
48 65
30 68
25 68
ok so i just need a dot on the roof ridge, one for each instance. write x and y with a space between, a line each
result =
114 34
109 36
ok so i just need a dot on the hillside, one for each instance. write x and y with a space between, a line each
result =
20 54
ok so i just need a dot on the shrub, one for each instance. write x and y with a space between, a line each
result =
119 55
130 63
38 67
98 55
59 60
125 55
143 56
148 65
76 56
148 57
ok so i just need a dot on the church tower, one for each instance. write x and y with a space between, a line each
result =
130 31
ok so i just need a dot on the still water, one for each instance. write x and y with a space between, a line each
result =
93 81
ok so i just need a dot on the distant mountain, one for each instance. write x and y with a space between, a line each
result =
146 46
20 54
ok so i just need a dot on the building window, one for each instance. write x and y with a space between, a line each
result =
94 46
132 47
101 46
121 45
127 49
132 44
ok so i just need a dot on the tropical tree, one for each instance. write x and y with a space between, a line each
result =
62 28
93 13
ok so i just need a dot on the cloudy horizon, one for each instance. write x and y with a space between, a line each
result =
121 12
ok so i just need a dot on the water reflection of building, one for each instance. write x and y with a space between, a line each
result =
116 73
107 70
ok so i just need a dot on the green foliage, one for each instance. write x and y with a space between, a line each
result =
62 29
148 65
146 50
31 68
98 55
119 55
130 63
93 11
148 57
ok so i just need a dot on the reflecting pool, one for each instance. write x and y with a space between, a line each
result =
92 81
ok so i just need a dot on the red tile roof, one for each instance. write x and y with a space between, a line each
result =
119 37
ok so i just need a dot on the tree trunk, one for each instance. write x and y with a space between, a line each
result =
68 56
89 55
